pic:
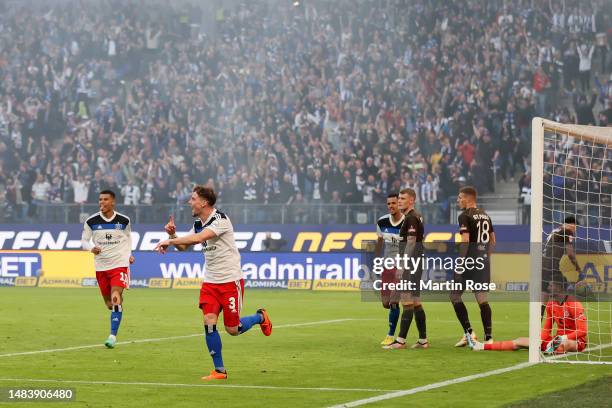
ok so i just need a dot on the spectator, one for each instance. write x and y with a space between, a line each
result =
161 194
41 189
541 84
141 99
131 193
348 189
273 244
81 190
181 194
584 109
585 53
95 186
525 196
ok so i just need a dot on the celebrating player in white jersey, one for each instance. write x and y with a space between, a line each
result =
112 249
223 286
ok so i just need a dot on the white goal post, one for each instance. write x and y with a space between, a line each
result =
550 204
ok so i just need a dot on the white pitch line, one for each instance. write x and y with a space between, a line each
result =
88 346
559 358
428 387
459 380
154 384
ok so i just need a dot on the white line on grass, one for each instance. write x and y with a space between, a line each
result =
560 358
154 384
428 387
282 326
459 380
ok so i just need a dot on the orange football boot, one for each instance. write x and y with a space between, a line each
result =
266 324
215 375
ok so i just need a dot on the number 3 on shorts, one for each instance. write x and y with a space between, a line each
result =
232 304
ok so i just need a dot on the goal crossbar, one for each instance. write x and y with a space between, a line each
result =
595 134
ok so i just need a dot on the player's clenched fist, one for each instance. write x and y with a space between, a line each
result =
96 250
170 227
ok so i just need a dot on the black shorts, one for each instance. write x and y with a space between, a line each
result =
415 280
477 275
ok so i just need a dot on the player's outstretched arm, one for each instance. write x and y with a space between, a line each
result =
188 240
571 254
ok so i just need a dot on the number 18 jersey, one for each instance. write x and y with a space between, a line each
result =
477 223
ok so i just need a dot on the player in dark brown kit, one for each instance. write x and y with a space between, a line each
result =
477 243
411 244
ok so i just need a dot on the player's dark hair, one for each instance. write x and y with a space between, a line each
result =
570 219
469 190
408 191
206 193
109 192
392 195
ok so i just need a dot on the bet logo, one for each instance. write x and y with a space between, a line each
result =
108 235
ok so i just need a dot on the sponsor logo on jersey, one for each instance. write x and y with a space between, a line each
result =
109 242
109 236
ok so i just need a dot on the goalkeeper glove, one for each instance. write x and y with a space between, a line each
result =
554 344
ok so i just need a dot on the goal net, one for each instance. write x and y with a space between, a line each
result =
571 167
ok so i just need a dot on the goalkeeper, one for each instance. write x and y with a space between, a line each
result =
563 311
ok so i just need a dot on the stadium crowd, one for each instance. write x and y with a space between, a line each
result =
319 102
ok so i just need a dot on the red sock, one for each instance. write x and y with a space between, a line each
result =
507 345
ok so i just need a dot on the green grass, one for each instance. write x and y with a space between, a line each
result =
594 394
343 354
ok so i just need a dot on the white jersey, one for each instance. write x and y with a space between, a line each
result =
390 233
114 237
220 252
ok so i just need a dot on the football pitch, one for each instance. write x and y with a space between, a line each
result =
324 351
